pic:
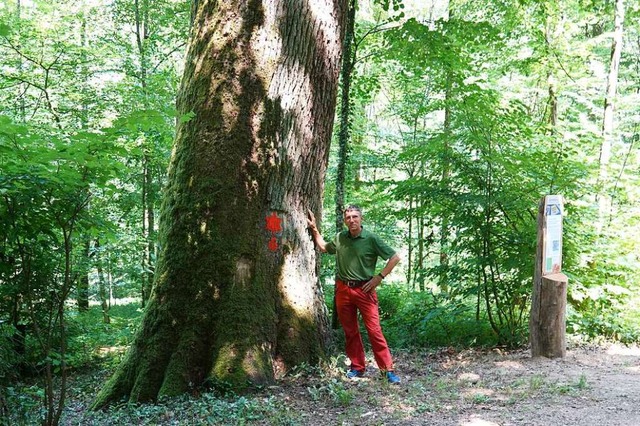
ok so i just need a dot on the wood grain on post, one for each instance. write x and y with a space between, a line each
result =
549 337
547 323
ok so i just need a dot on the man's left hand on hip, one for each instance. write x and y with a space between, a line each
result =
372 284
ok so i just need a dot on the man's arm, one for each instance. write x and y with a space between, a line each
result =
375 281
391 263
317 237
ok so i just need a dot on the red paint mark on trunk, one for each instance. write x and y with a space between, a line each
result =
274 223
274 226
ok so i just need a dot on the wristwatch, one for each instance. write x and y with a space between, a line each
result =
381 276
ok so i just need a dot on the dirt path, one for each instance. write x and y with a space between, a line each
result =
591 386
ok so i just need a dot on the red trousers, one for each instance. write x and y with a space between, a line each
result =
348 302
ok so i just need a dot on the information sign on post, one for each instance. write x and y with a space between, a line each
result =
547 323
552 248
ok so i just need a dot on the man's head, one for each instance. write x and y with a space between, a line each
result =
353 219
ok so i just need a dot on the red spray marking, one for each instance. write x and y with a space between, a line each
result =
274 226
273 244
273 223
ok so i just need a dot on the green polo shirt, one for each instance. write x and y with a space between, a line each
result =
356 257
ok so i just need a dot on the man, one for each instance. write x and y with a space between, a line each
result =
357 251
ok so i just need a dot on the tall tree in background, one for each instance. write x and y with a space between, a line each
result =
445 229
149 36
85 75
142 24
236 294
604 199
348 62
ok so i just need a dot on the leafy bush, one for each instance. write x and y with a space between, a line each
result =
422 320
413 319
9 359
599 313
88 334
23 405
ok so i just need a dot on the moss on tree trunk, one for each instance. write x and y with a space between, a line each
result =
236 294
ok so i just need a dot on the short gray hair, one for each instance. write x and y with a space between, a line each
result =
352 207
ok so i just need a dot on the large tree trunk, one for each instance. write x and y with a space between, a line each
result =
236 295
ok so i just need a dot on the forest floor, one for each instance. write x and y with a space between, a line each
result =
592 385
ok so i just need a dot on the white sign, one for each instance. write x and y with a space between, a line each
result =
552 249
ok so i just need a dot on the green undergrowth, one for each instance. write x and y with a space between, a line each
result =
206 408
424 320
92 340
412 323
420 320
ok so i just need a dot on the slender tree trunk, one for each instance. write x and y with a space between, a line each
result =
443 276
236 295
604 200
102 286
348 62
22 108
54 333
142 28
414 265
113 295
550 36
83 281
421 251
553 31
148 235
410 219
443 280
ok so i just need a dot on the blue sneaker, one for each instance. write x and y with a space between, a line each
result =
352 374
392 378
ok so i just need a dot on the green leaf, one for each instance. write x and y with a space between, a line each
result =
185 118
5 29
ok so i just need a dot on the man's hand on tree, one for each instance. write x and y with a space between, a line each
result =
311 220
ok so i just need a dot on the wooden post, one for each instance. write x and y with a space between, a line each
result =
547 323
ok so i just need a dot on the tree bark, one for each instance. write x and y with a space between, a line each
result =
236 295
548 325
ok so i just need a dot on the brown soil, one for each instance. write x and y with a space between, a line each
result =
590 386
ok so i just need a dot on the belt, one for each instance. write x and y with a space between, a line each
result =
354 283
